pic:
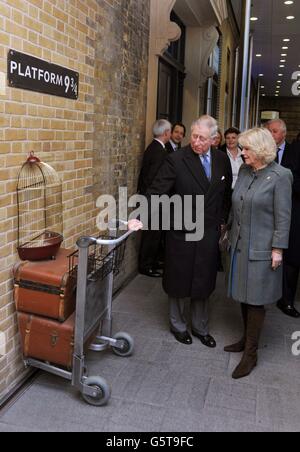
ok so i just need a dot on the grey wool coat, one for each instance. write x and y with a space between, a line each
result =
260 221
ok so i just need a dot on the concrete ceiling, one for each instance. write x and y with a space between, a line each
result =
195 13
269 31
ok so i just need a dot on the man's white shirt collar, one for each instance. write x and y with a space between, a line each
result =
174 145
163 145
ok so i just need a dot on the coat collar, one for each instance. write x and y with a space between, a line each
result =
194 164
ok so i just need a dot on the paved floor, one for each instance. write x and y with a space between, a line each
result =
169 387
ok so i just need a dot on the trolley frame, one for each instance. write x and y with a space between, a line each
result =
93 312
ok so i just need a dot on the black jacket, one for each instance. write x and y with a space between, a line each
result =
170 148
291 160
154 158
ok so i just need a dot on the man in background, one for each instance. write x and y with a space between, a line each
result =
153 160
289 156
177 135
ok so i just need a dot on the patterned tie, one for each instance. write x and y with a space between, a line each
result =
206 166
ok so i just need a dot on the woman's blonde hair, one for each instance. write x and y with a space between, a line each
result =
261 142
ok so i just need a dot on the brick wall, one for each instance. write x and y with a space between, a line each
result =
94 143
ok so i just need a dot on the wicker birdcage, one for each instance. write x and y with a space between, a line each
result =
39 198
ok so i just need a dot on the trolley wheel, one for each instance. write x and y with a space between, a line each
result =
98 383
127 345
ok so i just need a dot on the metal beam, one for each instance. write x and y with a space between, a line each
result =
248 104
245 69
257 118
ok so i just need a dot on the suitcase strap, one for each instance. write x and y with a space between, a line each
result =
27 335
29 285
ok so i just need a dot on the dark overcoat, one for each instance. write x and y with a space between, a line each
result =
291 160
191 267
153 160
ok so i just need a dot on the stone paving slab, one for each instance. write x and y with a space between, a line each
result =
169 387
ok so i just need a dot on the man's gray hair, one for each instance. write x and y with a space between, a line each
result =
277 121
161 127
209 122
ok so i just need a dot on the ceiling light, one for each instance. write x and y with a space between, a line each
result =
282 61
262 87
280 75
282 65
261 75
286 40
284 48
279 81
254 19
284 54
259 55
290 17
289 2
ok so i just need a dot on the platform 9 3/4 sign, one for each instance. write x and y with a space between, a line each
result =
30 73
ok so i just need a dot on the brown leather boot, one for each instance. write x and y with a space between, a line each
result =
256 318
240 346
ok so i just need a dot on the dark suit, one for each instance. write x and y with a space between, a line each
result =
153 160
154 157
170 148
191 267
291 160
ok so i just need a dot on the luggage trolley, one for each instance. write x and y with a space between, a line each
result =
94 265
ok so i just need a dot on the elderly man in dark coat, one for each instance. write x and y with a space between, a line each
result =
154 157
291 265
191 266
288 156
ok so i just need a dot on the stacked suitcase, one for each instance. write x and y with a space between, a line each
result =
45 297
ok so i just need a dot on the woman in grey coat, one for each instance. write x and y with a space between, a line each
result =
259 232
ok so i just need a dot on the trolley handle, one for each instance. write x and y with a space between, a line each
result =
85 242
112 242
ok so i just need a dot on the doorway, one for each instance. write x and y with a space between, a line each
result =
171 75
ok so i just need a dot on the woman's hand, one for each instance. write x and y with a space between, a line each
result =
277 258
135 225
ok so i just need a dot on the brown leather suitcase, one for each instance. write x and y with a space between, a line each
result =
47 340
45 288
